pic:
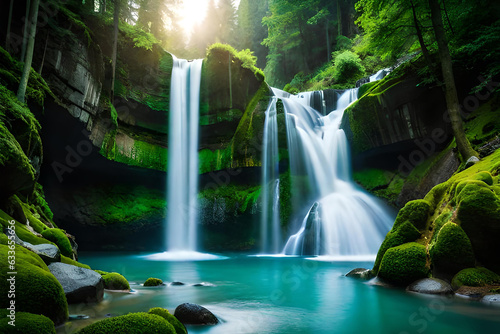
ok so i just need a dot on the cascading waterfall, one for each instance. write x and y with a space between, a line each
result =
342 220
270 233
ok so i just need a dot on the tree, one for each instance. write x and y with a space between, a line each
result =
116 19
9 21
33 17
451 95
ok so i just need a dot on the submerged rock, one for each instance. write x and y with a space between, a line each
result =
177 283
194 314
433 286
80 285
361 273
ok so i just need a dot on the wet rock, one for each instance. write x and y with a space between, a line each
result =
492 299
80 285
194 314
433 286
471 161
49 253
361 273
177 283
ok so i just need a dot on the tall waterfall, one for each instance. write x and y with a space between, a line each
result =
342 220
270 223
183 155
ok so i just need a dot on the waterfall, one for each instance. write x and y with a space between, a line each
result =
183 155
270 220
342 220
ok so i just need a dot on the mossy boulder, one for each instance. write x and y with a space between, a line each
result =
479 216
404 264
153 282
133 323
58 237
416 212
478 276
165 314
67 260
37 290
452 250
399 235
115 281
26 323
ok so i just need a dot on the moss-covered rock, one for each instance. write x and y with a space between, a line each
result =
399 235
26 323
478 276
67 260
115 281
58 237
452 250
133 323
416 212
153 282
37 290
404 264
165 314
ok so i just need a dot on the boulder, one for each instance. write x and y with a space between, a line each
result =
361 273
49 253
194 314
80 285
433 286
177 283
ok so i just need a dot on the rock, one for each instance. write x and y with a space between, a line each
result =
433 286
177 283
80 285
49 253
491 299
471 161
404 264
361 273
194 314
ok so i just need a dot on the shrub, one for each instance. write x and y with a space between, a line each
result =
348 67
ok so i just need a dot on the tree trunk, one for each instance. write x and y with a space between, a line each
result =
328 49
26 28
463 144
230 83
44 53
7 36
425 51
21 92
116 17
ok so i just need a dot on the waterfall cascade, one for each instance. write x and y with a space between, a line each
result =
342 220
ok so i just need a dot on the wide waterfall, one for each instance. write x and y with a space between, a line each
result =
341 219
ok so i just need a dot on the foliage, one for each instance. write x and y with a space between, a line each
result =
165 314
115 281
141 38
245 57
348 67
153 282
133 323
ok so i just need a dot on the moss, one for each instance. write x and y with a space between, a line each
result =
58 237
153 282
67 260
404 264
133 323
452 250
495 290
285 199
399 235
115 281
37 290
366 88
26 323
442 219
381 183
478 276
165 314
485 177
21 231
213 160
416 212
238 198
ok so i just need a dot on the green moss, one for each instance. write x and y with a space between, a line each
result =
399 235
442 219
115 281
67 260
213 160
21 230
133 323
37 290
100 272
495 290
153 282
58 237
366 88
452 250
416 212
26 323
478 276
237 198
165 314
285 199
404 264
485 177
